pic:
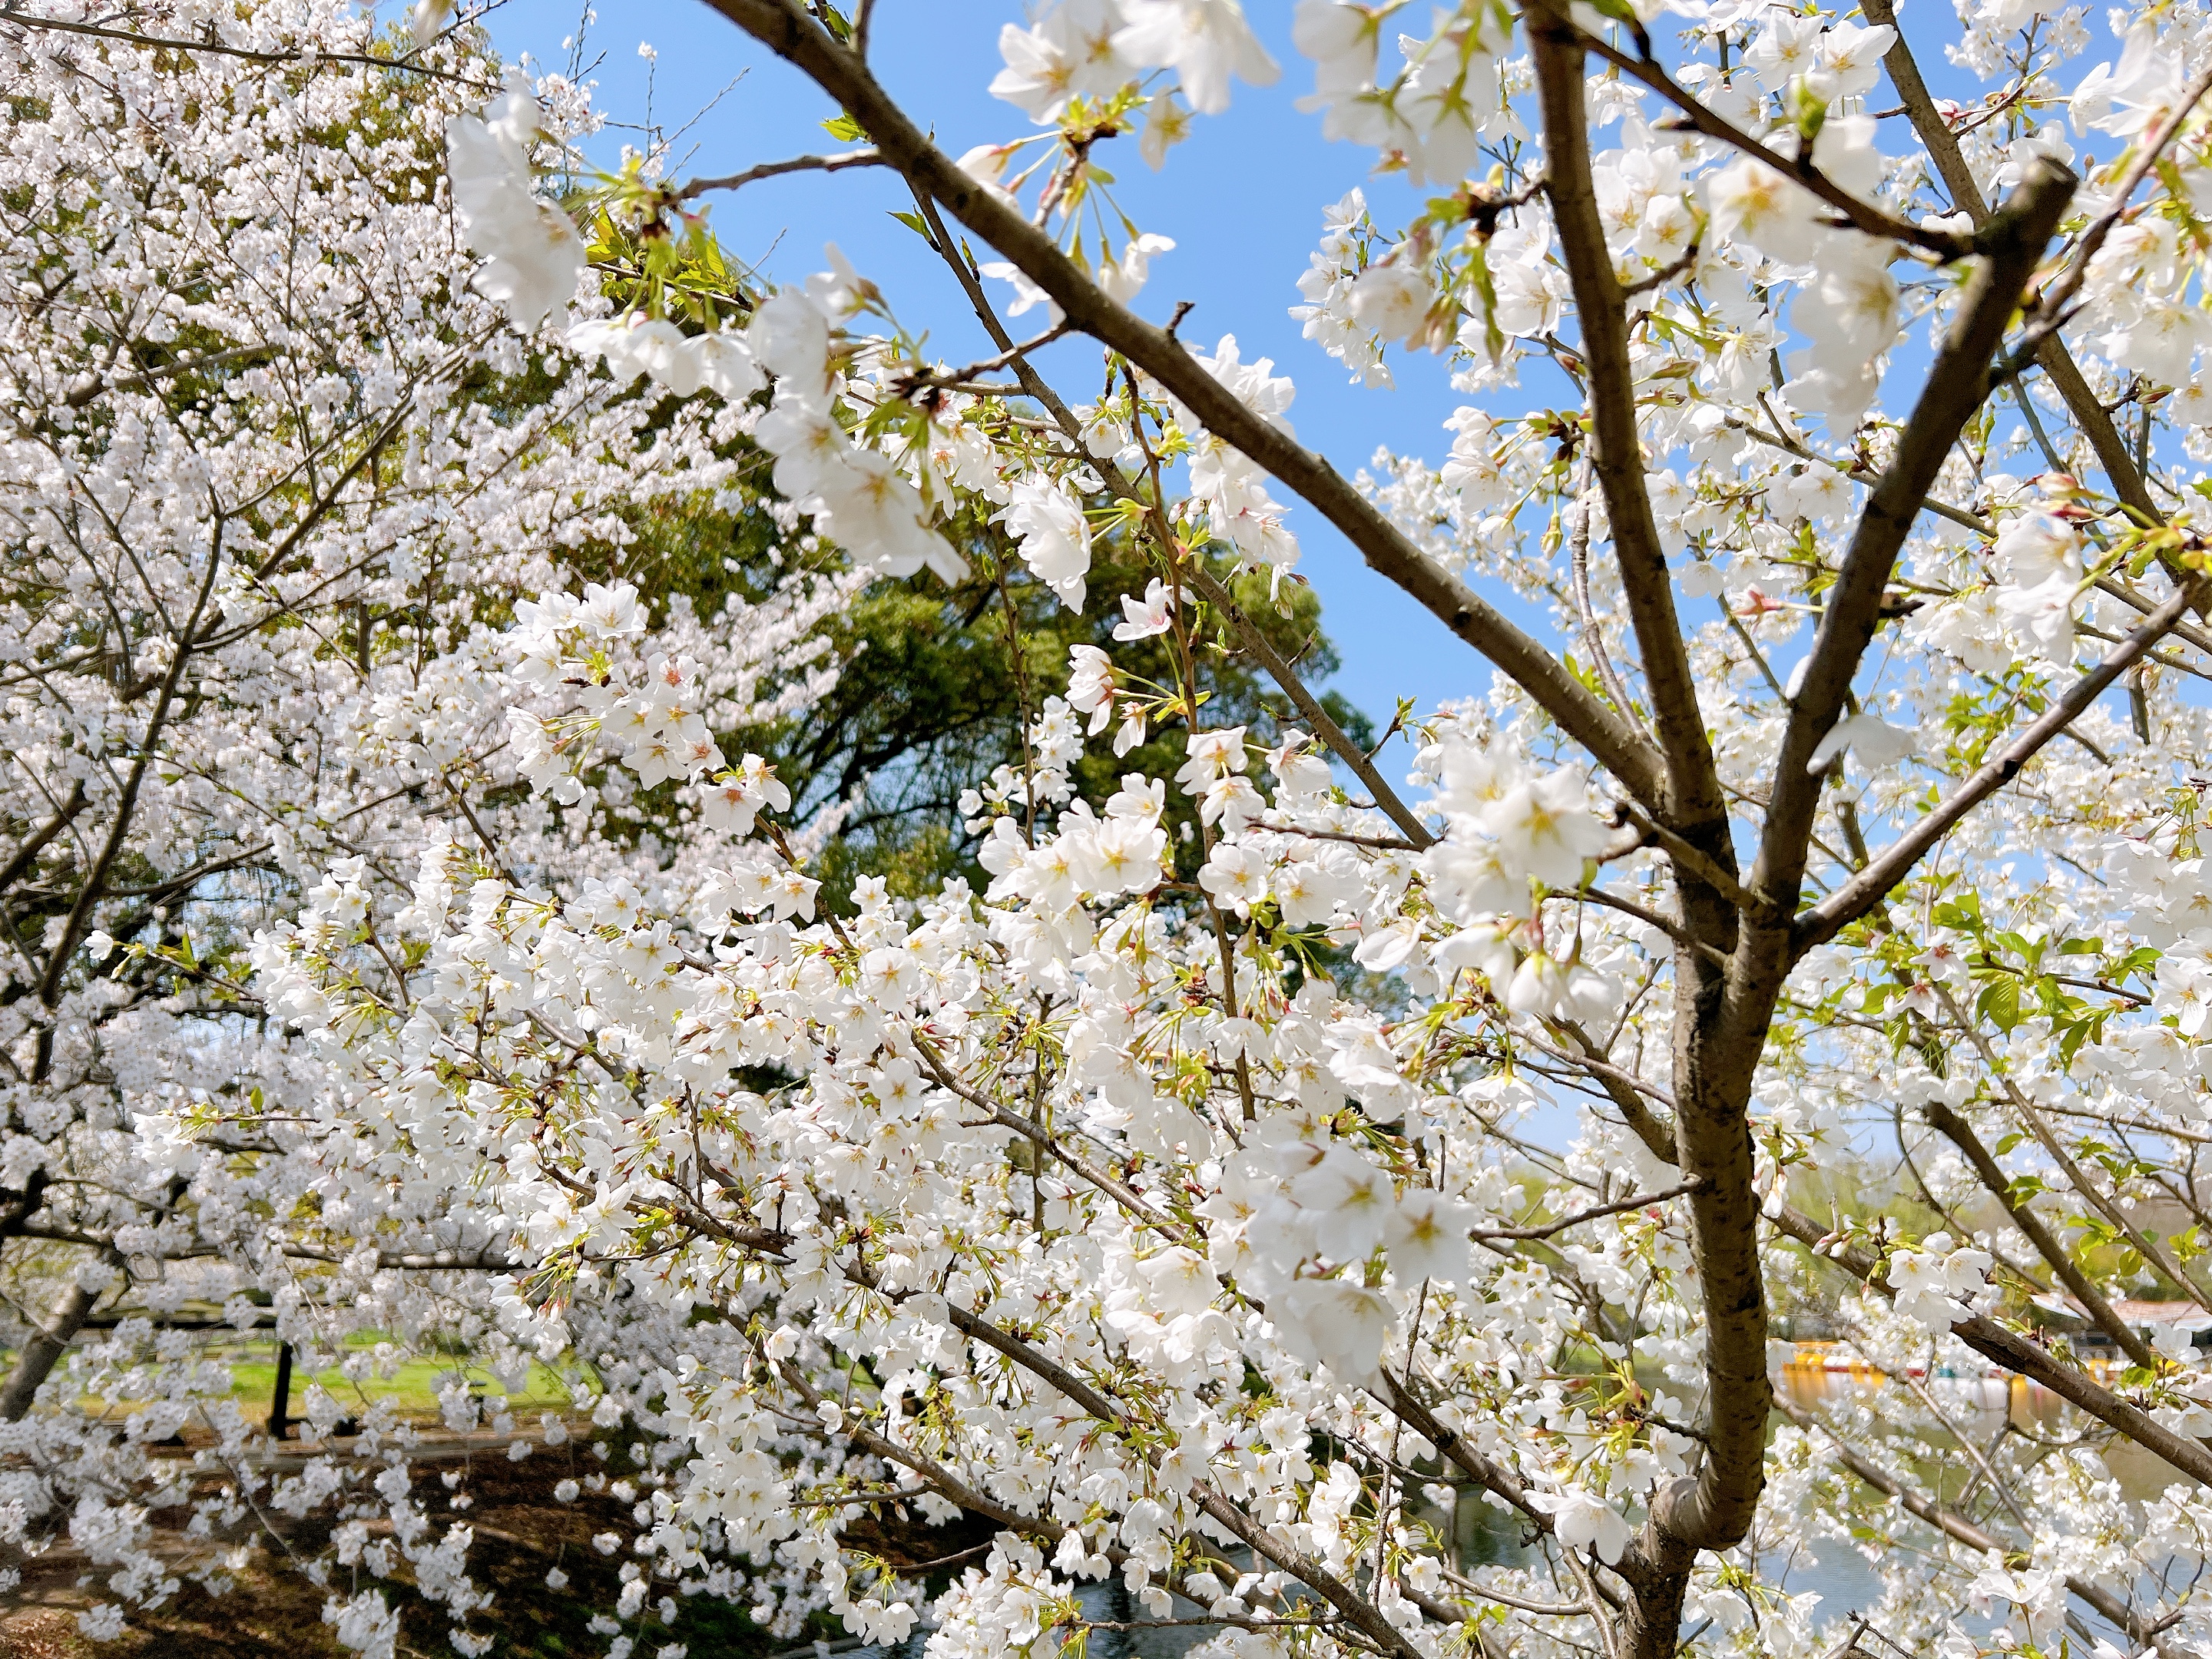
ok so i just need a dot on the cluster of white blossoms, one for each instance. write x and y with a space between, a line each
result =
534 254
1937 1284
1449 95
275 491
1092 48
1046 518
862 498
903 1026
642 693
1267 1187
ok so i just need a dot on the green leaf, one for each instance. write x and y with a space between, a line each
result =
912 222
1809 113
1963 914
1999 1002
2071 1039
844 127
1620 12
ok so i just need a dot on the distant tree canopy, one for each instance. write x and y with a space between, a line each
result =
931 699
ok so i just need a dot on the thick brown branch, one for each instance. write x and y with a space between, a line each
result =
1955 1129
1617 457
1956 386
787 30
1694 862
481 1261
46 1345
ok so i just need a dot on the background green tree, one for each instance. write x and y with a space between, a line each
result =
935 681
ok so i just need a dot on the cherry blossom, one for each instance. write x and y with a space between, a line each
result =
1273 1142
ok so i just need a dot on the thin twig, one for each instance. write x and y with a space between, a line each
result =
306 58
2060 295
1640 1201
904 386
1856 896
851 158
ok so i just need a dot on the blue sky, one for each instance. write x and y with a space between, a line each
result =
1243 200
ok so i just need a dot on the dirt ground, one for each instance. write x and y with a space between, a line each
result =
522 1532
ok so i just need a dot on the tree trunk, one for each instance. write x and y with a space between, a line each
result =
1652 1626
280 1398
47 1344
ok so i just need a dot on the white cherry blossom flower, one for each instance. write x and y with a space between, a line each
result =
1204 41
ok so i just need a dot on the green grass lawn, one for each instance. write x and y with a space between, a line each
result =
412 1387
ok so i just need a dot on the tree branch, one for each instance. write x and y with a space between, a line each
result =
96 878
2147 150
1491 1477
1993 1341
786 29
1866 889
1694 791
2107 1605
1863 215
1166 1226
305 60
1640 1201
1856 474
2125 592
1955 1129
2016 1353
27 854
1942 145
1215 592
2076 1177
851 158
1696 862
1356 1608
1956 387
